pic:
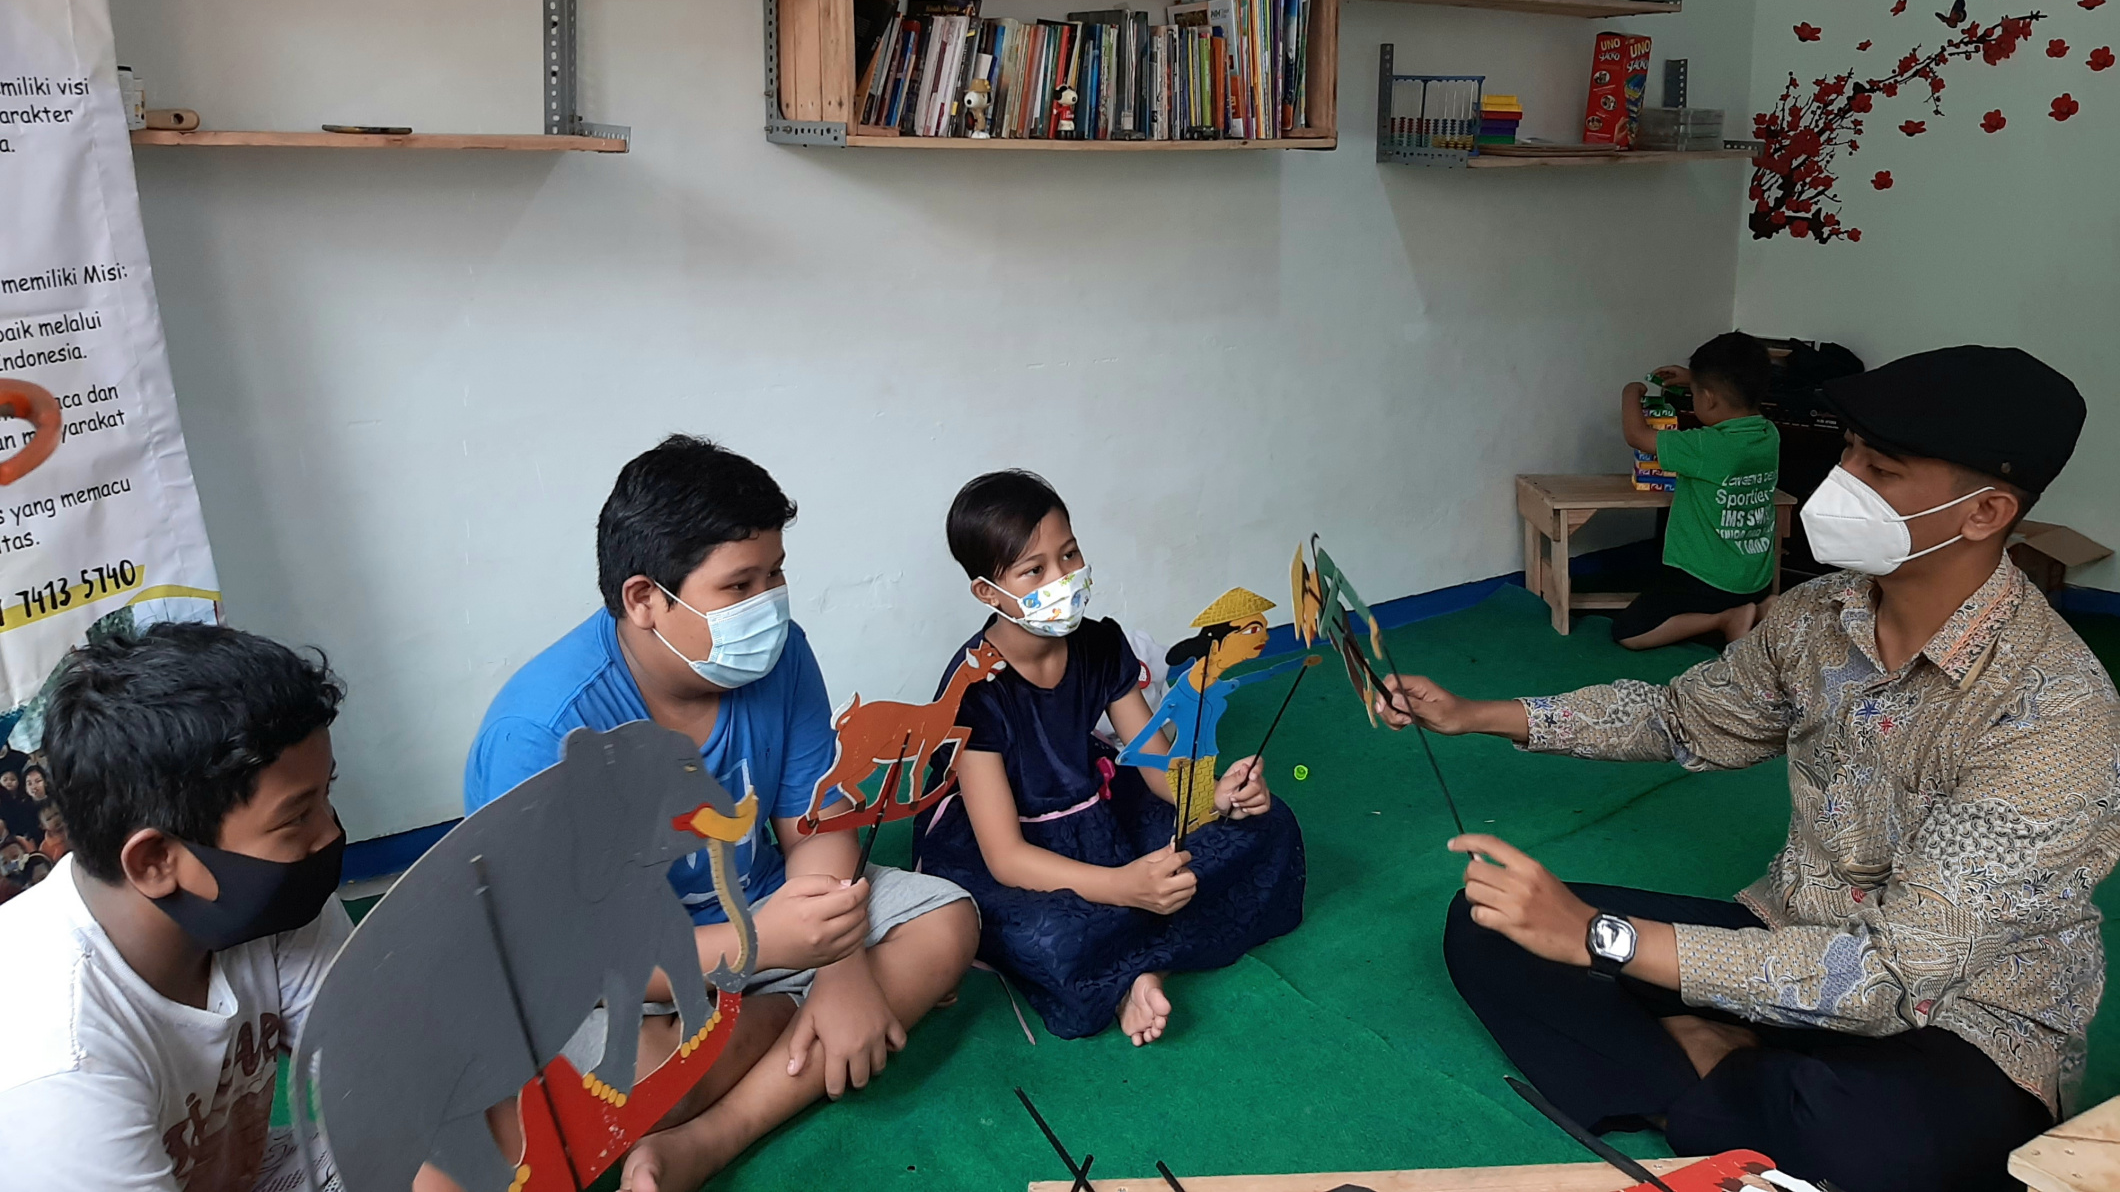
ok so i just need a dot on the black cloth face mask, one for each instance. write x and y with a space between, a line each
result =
258 897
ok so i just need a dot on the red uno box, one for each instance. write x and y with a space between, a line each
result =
1619 74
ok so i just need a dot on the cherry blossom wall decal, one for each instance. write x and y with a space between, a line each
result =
1795 175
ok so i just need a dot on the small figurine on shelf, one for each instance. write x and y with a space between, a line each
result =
1064 109
978 96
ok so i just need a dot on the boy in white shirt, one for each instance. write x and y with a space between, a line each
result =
154 977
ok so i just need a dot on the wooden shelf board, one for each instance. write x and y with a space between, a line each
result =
1565 8
1000 143
533 142
1632 157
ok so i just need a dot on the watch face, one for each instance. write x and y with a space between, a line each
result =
1612 937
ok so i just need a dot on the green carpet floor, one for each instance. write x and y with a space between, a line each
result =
1341 1047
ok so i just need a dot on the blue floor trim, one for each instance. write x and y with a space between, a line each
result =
2087 600
385 855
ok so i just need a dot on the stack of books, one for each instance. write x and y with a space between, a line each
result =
1499 116
1221 69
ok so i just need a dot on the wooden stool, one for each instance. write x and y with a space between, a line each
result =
2081 1154
1555 507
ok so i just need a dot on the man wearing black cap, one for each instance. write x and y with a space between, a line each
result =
1903 998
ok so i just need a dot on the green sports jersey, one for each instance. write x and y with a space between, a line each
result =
1722 514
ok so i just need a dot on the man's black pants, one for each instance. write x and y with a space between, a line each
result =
1922 1109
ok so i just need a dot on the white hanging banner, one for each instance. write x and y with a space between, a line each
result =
99 518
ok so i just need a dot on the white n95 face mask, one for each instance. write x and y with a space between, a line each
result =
1055 609
748 638
1850 525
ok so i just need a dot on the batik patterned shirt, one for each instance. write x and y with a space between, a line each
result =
1950 819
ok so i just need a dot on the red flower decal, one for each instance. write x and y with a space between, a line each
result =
1915 128
1799 227
1902 7
1883 180
1855 234
1808 32
2065 105
1861 103
2057 48
1993 121
1864 46
2101 58
2079 3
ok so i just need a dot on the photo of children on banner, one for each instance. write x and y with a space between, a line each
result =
29 820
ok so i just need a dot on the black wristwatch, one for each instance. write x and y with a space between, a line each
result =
1611 941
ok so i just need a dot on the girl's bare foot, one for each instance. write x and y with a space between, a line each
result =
1146 1010
1707 1043
1739 621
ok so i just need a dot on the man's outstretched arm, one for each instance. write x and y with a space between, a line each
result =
1725 714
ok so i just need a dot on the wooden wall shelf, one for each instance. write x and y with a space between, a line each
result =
528 142
812 79
1632 157
1593 9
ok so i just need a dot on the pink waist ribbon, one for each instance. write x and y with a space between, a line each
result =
1105 770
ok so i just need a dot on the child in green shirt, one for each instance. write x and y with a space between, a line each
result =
1719 546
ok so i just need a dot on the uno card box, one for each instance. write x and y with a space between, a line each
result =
1619 74
1662 416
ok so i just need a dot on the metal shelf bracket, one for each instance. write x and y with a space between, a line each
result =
562 79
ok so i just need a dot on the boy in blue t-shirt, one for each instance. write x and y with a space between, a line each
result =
695 635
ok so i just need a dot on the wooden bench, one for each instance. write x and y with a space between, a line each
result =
2081 1154
1555 507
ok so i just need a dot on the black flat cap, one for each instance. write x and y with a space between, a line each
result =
1999 411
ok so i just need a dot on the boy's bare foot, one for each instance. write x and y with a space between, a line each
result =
1738 621
675 1160
1146 1011
1707 1043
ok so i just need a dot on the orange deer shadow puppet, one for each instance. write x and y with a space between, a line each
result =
462 985
32 403
902 737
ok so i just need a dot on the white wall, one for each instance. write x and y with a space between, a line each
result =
408 379
2010 238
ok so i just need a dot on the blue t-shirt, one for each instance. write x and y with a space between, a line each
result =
772 737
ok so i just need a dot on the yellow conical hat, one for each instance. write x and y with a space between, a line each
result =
1230 606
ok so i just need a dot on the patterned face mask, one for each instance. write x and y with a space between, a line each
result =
1055 609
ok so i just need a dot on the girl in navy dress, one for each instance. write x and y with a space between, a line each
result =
1084 904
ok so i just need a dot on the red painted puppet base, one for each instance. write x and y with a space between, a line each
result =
593 1125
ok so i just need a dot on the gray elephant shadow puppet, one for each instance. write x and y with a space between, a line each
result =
461 987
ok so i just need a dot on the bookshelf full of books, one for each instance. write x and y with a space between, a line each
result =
1252 74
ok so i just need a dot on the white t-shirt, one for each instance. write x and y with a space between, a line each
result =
106 1084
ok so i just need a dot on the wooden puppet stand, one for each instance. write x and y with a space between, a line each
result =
1543 1177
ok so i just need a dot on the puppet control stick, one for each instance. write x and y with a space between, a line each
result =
522 1019
1597 1146
1081 1173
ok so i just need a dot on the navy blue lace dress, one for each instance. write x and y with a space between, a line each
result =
1074 960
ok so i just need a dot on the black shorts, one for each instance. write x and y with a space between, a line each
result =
1670 592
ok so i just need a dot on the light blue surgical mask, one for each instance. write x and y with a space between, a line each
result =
748 638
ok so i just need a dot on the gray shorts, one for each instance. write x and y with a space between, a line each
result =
895 897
